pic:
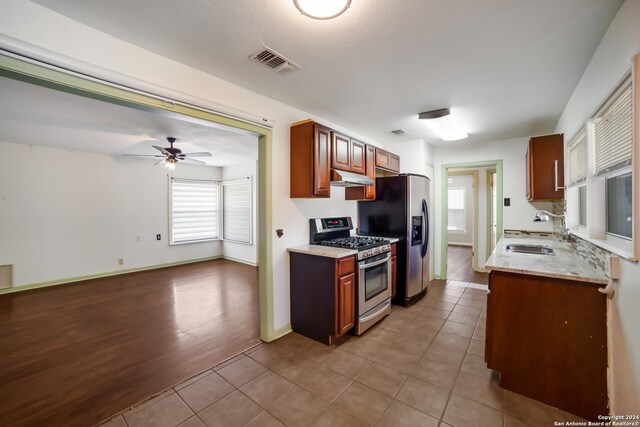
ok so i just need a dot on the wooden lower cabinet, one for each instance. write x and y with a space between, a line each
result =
322 296
547 338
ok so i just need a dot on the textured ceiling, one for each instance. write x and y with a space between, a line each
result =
35 115
506 68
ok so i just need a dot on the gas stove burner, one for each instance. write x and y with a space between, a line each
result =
354 242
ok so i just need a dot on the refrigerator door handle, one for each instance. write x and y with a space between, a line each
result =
425 226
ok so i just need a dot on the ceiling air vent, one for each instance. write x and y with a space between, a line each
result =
398 132
273 60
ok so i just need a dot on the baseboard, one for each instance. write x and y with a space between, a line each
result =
101 275
470 245
242 261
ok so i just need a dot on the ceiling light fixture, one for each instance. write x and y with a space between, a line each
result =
170 163
444 124
322 9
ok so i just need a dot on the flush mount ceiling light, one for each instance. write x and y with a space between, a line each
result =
322 9
444 124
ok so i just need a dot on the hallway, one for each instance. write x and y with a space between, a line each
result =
460 266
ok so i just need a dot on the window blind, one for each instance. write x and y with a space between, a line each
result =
614 132
578 159
237 208
194 210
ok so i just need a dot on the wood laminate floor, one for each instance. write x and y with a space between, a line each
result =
76 354
460 266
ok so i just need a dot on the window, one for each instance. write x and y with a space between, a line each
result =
582 202
614 133
193 211
237 210
578 159
619 205
456 221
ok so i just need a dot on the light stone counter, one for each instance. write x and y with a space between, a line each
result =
565 264
325 251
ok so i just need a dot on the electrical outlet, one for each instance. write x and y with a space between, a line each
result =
507 201
120 261
158 237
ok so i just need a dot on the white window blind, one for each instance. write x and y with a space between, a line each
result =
194 210
237 209
614 132
578 159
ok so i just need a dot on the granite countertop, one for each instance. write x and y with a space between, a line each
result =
565 264
325 251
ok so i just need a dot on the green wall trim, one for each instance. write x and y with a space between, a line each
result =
70 82
488 202
101 275
279 333
444 203
474 185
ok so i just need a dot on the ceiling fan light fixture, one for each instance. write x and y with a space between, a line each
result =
170 163
444 124
322 9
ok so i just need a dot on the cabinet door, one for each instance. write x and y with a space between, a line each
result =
370 190
357 157
345 304
394 162
341 152
382 158
321 161
545 164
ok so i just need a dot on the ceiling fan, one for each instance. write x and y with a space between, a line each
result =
171 155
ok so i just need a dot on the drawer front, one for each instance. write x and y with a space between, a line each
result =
346 266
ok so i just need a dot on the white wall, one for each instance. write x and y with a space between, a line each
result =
67 214
463 237
240 251
518 216
82 48
608 64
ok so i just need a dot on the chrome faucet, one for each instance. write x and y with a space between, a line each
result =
545 216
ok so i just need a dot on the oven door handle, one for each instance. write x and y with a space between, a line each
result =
371 316
364 266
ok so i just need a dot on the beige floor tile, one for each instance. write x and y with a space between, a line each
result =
241 371
440 305
317 352
264 419
234 410
334 417
193 380
167 412
423 396
294 342
381 335
458 329
447 356
325 383
464 319
481 390
266 389
367 348
151 401
255 347
529 410
425 326
400 415
298 408
115 422
448 297
413 343
469 302
382 379
476 348
435 313
465 412
270 354
475 365
192 422
346 363
206 391
438 373
453 341
294 368
480 333
363 403
463 309
233 359
397 359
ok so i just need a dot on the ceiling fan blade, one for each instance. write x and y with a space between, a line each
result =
193 161
198 154
142 155
162 150
157 163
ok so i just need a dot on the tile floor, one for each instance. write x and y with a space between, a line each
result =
421 366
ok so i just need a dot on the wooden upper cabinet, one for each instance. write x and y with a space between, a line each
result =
545 168
341 152
367 192
387 161
357 157
310 163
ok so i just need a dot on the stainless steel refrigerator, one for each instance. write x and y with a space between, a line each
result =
401 210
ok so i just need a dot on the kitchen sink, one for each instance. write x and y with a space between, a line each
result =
530 249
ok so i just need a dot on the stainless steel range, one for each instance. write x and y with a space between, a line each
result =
373 291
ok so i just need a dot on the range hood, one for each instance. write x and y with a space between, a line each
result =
349 179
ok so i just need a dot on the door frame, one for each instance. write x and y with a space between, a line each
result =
444 203
489 172
474 219
28 70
